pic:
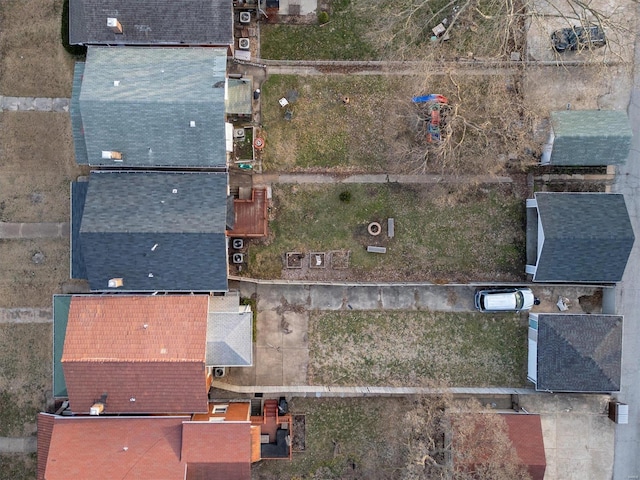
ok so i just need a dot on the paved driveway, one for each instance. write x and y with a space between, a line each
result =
578 435
627 444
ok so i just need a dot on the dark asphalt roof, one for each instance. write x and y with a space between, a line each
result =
579 353
157 231
587 237
152 22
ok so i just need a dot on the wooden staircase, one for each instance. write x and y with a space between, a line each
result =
270 411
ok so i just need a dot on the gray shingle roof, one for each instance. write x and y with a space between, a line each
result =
135 227
590 137
229 332
239 97
587 237
155 106
152 22
579 353
79 145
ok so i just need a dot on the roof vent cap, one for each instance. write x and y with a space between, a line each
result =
114 25
115 282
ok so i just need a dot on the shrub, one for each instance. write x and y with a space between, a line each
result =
323 17
345 196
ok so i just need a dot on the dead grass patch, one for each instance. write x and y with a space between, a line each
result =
33 62
38 165
25 375
417 349
345 439
18 466
442 233
26 284
485 125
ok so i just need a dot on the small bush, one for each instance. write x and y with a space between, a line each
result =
345 196
323 17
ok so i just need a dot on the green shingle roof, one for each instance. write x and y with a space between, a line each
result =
590 137
155 106
587 237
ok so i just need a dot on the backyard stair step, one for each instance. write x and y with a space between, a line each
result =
271 410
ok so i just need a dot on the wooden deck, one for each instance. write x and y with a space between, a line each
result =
251 219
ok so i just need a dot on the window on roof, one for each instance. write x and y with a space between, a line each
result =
220 409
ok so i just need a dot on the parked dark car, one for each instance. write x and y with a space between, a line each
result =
574 38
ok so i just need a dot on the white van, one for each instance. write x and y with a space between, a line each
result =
505 300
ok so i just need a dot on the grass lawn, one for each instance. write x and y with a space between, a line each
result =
381 130
25 376
343 38
397 30
33 62
324 132
37 166
417 348
17 466
442 234
26 284
345 438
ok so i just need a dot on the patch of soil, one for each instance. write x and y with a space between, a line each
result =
591 303
294 259
298 442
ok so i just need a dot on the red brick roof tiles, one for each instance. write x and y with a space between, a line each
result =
137 328
45 428
146 353
216 442
525 432
96 448
101 448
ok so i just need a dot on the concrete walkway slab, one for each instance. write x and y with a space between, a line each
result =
18 445
26 315
34 230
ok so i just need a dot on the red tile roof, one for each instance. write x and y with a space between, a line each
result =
147 348
97 448
525 432
158 448
217 442
45 427
221 471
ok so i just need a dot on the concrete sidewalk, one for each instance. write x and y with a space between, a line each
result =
303 178
33 104
18 445
33 230
26 315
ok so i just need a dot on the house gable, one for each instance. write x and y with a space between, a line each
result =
155 231
137 354
151 107
586 237
590 137
579 353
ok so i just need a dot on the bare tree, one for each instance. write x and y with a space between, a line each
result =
449 441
